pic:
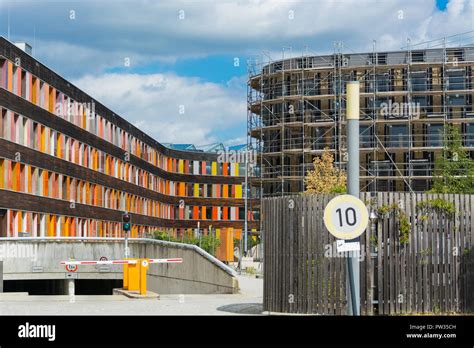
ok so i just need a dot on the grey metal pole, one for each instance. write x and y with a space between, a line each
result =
126 244
239 265
352 115
1 276
199 233
246 202
70 287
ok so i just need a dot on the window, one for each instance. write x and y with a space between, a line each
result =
456 100
366 136
421 100
397 135
418 56
456 79
418 80
469 131
240 213
382 58
434 135
383 82
242 169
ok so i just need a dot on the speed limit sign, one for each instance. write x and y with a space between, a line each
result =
346 217
71 268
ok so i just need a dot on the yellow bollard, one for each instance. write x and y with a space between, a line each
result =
143 268
125 276
133 278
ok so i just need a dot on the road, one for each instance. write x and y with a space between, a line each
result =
248 301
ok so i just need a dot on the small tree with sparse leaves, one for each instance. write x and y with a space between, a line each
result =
325 177
454 170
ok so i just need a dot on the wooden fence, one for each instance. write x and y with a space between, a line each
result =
417 256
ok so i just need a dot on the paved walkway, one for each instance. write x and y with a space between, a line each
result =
248 301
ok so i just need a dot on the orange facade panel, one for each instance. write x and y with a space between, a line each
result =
10 76
225 251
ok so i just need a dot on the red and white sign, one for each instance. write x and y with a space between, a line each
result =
71 268
112 262
175 260
118 262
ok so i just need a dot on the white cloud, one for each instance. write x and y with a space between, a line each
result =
152 103
107 31
104 33
236 141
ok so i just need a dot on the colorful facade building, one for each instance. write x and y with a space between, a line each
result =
69 166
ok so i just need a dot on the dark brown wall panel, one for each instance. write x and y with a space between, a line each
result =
27 202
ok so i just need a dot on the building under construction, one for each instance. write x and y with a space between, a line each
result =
296 109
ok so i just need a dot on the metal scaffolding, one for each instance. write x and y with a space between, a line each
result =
296 110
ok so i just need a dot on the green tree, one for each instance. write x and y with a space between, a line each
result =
208 243
454 169
325 177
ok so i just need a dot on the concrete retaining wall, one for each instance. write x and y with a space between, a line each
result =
200 273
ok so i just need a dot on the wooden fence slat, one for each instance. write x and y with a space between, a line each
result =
459 220
265 284
302 259
271 241
296 254
410 201
380 284
386 264
319 255
309 258
363 267
425 259
461 210
264 226
467 244
436 262
269 249
395 260
326 240
444 234
420 284
274 261
289 260
404 256
297 257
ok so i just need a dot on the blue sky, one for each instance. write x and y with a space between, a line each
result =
441 4
223 67
182 54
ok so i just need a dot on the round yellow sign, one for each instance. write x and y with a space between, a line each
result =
346 217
